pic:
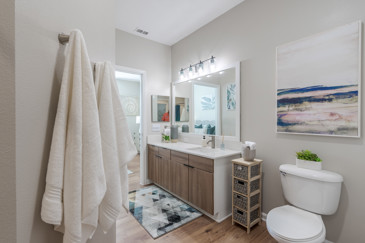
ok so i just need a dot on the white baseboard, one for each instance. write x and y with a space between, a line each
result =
263 216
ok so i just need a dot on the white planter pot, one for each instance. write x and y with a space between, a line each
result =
312 165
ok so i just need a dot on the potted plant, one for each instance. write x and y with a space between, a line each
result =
308 160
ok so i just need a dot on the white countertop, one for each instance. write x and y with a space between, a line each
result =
198 150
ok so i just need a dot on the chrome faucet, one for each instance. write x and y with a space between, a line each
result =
212 141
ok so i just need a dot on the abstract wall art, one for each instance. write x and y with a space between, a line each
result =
318 83
231 97
130 105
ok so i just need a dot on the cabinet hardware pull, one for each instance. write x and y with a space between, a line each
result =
189 166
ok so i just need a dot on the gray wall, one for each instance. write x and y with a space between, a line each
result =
39 65
154 58
250 33
7 122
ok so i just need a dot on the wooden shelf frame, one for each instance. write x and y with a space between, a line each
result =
249 194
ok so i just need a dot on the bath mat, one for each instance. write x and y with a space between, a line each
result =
130 172
158 211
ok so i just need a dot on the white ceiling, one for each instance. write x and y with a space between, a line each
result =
169 21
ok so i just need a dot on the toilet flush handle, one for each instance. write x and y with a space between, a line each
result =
283 173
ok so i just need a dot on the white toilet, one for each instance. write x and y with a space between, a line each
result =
312 193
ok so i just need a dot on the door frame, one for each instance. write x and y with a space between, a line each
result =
143 137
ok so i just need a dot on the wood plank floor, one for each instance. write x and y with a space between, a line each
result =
202 229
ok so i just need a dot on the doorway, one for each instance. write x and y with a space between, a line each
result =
130 87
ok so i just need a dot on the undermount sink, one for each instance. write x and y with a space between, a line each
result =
202 149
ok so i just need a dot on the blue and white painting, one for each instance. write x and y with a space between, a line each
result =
231 97
318 84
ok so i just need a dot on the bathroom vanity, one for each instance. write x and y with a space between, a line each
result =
200 176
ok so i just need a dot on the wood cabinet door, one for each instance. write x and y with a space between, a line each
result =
179 175
201 189
164 172
151 165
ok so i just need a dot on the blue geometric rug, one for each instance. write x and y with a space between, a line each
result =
158 211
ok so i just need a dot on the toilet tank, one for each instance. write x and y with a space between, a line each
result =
317 191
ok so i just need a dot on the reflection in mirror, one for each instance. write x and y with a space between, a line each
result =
214 103
160 108
181 109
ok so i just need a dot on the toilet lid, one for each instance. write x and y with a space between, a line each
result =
294 224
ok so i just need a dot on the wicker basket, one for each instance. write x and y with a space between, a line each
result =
241 171
242 186
241 201
241 216
255 214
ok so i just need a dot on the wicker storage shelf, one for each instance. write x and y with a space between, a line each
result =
246 193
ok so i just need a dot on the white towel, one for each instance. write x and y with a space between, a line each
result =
75 176
183 116
117 145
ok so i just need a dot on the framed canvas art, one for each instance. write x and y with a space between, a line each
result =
318 83
130 105
231 97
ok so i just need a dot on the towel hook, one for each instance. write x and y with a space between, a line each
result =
63 38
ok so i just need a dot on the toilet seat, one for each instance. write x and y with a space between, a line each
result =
291 224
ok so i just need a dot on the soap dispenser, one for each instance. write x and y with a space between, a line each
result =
204 141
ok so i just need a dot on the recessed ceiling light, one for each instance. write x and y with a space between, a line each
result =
199 78
221 72
208 76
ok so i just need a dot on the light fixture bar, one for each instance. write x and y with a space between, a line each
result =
199 67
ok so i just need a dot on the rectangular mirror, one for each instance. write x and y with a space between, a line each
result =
182 109
209 104
160 108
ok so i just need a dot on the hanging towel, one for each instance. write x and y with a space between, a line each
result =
75 183
117 145
183 115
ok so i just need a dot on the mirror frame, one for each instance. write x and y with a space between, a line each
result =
237 67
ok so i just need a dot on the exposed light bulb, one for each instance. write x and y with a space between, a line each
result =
201 68
212 63
191 71
181 74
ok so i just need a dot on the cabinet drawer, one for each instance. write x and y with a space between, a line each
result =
201 163
152 148
179 157
164 153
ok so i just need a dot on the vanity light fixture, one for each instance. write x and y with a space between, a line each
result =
198 68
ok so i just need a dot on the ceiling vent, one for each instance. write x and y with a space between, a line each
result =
143 32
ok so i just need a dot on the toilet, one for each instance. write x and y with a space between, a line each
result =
311 193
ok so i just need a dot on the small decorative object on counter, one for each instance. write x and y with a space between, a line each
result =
166 135
222 144
204 141
248 150
308 160
246 192
185 128
174 133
